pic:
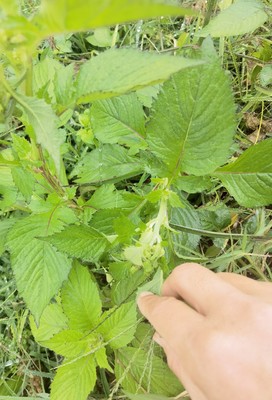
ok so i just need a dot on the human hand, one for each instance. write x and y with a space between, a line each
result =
216 331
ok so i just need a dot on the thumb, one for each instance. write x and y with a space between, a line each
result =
171 318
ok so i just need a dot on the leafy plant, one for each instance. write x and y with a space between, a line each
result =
97 169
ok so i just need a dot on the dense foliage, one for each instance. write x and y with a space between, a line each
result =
116 164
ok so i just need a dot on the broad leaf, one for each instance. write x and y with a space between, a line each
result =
119 325
39 269
24 181
192 125
184 243
241 17
107 197
149 397
72 15
125 288
193 184
74 380
80 299
119 120
5 226
109 163
52 321
249 178
79 241
118 71
145 373
154 285
44 123
102 360
68 343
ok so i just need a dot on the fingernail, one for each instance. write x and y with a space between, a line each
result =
143 294
158 339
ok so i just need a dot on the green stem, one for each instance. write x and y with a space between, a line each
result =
211 234
29 80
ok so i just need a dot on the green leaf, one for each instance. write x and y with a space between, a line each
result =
43 77
119 120
145 373
148 397
52 321
184 242
64 87
109 163
24 181
266 75
74 379
249 178
214 218
119 325
80 299
71 15
44 123
102 37
196 134
193 184
5 226
39 269
118 71
79 241
107 197
8 191
154 285
102 360
241 17
68 343
125 288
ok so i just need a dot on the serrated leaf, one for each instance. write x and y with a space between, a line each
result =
118 71
24 181
8 191
52 321
80 299
195 137
44 123
193 184
68 343
149 397
5 226
64 86
249 178
142 373
214 218
79 241
154 285
241 17
43 77
119 325
184 242
104 220
39 269
74 380
102 360
109 163
266 75
125 289
71 15
107 197
119 120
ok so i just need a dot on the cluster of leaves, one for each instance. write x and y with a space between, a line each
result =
96 171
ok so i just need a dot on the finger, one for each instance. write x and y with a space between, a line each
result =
262 290
179 366
172 319
199 287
